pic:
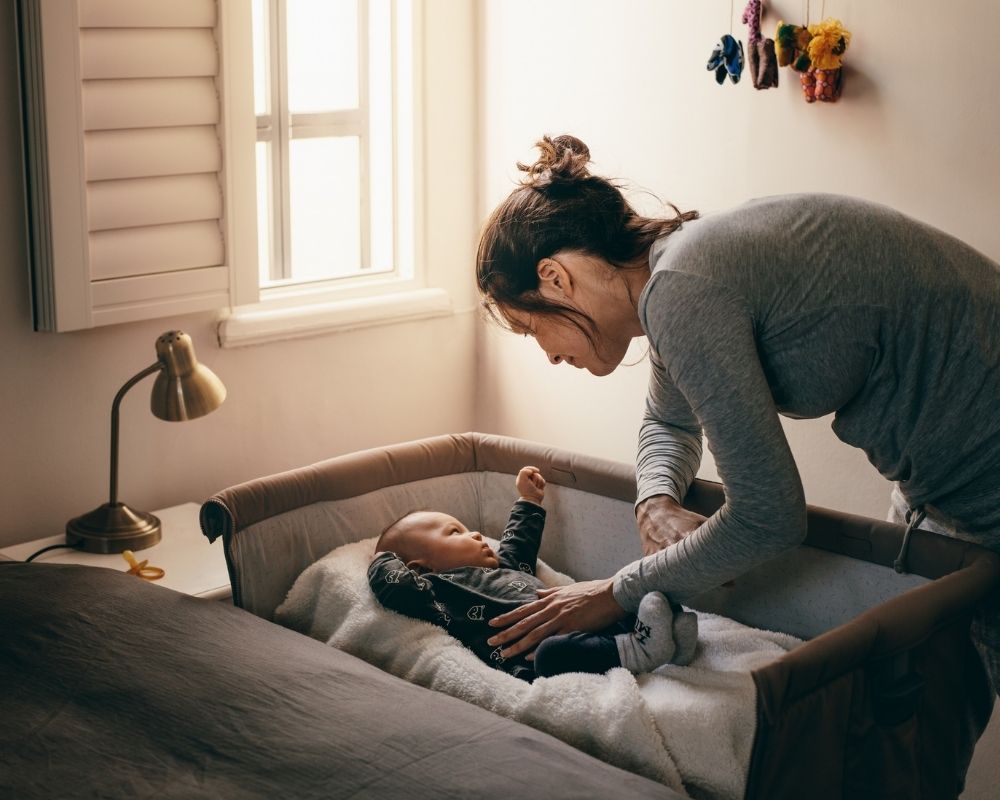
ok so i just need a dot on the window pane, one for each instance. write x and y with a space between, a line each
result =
325 207
380 133
322 55
260 55
265 219
404 189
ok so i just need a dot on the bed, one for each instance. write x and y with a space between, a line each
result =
118 688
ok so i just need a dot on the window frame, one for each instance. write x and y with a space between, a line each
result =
279 127
356 301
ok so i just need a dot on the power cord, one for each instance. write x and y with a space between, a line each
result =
50 547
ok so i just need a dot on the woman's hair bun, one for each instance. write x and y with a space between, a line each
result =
561 160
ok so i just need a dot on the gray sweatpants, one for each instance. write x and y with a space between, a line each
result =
986 623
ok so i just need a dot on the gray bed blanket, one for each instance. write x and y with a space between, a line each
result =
113 687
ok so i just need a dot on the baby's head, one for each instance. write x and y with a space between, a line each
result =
429 541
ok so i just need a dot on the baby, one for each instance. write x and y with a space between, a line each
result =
428 565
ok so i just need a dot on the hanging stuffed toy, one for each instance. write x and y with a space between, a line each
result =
727 59
763 61
816 52
791 43
826 49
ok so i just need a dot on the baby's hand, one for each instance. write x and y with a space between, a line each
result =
530 484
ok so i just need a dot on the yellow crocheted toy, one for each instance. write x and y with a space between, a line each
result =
829 39
816 52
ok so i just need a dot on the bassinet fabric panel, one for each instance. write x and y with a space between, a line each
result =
270 554
805 592
853 739
881 632
238 507
817 587
591 530
586 535
890 704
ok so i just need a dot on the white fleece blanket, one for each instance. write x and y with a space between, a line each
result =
691 728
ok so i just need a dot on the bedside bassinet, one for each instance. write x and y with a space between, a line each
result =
886 698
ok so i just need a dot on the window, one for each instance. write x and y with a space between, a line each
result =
338 230
334 144
149 127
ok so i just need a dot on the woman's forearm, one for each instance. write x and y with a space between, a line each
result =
668 455
718 551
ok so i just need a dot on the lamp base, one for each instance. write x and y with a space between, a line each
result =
113 529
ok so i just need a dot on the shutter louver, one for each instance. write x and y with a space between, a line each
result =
144 140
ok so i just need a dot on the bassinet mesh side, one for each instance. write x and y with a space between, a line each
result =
269 555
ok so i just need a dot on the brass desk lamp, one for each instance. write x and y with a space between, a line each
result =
184 389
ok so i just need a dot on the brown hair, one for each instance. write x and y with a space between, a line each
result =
559 205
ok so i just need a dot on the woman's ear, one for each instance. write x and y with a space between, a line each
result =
554 281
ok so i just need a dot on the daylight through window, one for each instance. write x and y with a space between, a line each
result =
333 134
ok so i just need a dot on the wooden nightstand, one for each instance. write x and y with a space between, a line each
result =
192 565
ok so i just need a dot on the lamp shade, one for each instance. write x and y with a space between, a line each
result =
183 389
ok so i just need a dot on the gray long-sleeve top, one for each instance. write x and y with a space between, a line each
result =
806 305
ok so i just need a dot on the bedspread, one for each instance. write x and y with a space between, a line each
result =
116 688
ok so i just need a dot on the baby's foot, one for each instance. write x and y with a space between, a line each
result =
651 642
685 636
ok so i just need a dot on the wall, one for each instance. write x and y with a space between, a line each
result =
914 129
289 403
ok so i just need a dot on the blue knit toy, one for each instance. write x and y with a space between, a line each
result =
727 59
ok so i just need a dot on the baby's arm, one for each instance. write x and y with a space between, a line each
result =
401 589
523 535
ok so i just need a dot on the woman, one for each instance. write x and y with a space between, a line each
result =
802 306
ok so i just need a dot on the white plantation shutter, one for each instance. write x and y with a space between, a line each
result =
140 137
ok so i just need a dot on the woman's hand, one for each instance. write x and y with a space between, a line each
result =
663 522
583 606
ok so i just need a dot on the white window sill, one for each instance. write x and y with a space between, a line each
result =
245 327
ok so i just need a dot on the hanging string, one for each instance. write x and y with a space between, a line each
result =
807 13
822 12
730 17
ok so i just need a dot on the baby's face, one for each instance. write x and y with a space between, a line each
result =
440 542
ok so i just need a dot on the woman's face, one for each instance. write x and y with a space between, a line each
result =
590 287
563 342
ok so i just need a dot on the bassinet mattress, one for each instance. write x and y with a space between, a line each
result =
690 728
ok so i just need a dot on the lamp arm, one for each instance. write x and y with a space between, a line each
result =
114 424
